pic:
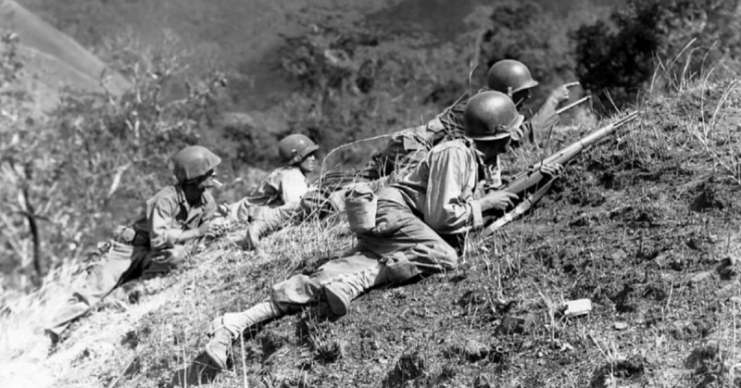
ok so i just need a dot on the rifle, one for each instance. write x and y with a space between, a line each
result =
533 178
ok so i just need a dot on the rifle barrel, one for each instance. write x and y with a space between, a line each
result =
525 181
573 104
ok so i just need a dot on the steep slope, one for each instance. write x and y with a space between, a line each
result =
646 225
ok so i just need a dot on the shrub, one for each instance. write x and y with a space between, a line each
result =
71 176
616 59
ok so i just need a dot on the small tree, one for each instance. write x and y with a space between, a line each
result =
92 162
615 60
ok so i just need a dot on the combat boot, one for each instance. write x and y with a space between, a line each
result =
342 291
228 327
256 229
218 347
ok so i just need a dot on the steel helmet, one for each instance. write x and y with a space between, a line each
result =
193 162
491 115
294 148
509 76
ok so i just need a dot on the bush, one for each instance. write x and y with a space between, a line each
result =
356 82
617 59
529 34
68 178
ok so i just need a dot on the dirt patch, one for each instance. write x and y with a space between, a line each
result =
619 372
411 366
709 198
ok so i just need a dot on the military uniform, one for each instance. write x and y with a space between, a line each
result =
275 200
152 250
407 148
411 217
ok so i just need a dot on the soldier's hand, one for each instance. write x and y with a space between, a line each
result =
500 200
560 94
218 229
553 170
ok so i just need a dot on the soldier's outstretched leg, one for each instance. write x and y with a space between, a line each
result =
225 329
404 247
101 279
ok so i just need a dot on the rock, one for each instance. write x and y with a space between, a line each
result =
620 326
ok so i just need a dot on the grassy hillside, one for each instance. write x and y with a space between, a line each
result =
646 225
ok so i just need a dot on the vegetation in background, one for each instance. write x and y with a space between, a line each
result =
353 81
616 59
69 177
524 31
357 82
645 225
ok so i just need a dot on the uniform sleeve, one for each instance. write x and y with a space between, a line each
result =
292 188
160 215
446 211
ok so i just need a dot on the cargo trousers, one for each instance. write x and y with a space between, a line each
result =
120 264
398 232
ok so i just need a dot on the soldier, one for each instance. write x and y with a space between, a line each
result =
435 199
408 147
279 195
513 78
154 244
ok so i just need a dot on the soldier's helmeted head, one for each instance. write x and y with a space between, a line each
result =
195 167
491 120
298 150
512 78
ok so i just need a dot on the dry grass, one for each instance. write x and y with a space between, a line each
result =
646 225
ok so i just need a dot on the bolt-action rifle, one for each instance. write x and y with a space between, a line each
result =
535 183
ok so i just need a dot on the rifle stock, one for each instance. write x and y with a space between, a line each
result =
532 179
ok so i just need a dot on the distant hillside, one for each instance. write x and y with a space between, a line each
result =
53 60
244 35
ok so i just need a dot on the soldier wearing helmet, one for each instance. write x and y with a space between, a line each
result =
513 78
278 196
408 147
154 244
415 217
